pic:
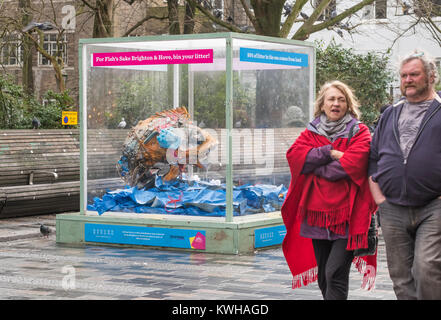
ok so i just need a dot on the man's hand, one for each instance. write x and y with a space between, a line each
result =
378 196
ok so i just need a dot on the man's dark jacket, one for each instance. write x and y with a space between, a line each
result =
417 180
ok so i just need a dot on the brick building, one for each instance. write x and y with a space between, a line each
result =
62 17
71 21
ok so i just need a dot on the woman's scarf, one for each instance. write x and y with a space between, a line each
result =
328 204
330 129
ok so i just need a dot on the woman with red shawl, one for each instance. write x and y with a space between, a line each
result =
328 207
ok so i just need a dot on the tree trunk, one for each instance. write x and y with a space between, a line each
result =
27 76
189 18
268 15
173 28
103 20
173 17
59 77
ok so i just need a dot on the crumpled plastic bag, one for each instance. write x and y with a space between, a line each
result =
200 198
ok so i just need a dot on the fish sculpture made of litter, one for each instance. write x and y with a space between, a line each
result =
163 145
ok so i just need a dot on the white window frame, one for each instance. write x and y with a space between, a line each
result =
50 46
326 14
385 9
13 42
219 5
369 12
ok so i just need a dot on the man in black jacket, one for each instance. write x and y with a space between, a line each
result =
405 181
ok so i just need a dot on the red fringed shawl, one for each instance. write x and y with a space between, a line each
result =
328 204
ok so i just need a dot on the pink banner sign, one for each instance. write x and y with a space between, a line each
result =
138 58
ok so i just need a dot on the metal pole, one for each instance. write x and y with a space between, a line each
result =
229 125
176 86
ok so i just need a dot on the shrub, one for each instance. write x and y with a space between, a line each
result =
367 74
15 105
50 114
17 109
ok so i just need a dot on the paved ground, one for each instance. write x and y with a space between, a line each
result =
34 267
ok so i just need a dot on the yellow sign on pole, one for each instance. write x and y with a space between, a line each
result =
69 117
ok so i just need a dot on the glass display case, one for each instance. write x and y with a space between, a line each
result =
190 127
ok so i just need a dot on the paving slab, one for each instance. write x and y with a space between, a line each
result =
37 268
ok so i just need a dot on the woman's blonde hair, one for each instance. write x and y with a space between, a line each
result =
351 100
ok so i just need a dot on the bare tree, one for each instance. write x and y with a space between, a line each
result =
422 12
103 14
56 58
27 76
266 17
22 23
47 16
402 18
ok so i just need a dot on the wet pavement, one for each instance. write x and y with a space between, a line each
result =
37 268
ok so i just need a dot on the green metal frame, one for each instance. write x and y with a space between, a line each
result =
222 35
229 96
229 124
231 235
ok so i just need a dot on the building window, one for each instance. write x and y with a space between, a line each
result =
219 4
10 51
380 9
218 8
377 10
329 12
51 45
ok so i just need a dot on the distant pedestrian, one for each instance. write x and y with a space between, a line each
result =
405 180
294 117
328 208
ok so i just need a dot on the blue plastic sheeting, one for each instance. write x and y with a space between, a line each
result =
198 198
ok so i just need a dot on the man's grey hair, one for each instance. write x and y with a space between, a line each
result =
427 61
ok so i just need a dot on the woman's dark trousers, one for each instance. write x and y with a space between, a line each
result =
334 264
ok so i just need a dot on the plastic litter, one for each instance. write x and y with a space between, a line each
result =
199 198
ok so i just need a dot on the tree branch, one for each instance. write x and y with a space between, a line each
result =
57 64
139 23
434 29
251 16
291 19
88 4
213 18
305 30
308 27
404 32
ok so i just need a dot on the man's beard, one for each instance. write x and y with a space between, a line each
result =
418 91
